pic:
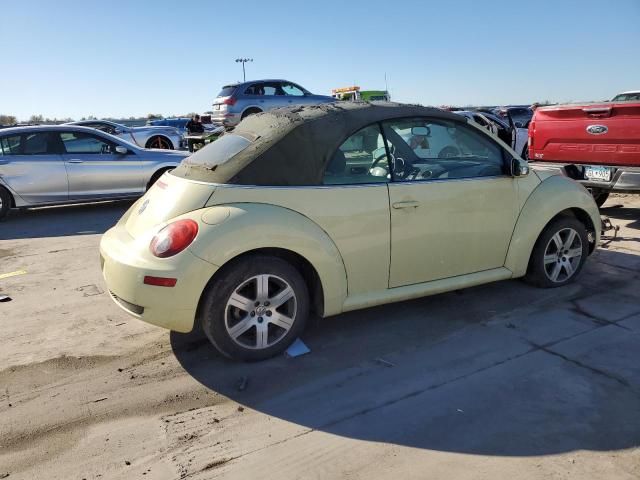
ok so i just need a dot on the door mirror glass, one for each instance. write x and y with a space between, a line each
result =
121 150
519 168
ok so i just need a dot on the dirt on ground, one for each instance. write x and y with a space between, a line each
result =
498 381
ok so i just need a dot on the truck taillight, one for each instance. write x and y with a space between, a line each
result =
230 101
174 238
532 127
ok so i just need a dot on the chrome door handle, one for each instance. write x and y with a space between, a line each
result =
407 204
75 161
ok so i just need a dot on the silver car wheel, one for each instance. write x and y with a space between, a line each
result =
260 312
562 255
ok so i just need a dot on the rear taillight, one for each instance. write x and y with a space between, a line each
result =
230 101
174 238
532 126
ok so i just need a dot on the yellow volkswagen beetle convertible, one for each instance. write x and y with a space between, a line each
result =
331 208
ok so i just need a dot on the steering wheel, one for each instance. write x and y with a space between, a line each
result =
449 151
397 162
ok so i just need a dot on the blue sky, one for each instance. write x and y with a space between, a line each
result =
121 58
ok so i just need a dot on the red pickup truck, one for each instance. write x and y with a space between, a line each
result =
596 144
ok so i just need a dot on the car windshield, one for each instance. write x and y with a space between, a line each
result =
218 152
227 91
626 97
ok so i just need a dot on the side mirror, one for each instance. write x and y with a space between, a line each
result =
519 168
121 150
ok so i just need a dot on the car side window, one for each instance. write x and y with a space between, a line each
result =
11 145
104 127
85 143
362 158
436 149
292 90
255 89
36 144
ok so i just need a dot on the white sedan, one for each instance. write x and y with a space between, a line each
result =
146 136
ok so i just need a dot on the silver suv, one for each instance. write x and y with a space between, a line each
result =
235 102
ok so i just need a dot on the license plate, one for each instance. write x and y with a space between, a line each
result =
598 173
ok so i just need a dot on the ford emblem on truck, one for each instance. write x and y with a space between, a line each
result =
597 129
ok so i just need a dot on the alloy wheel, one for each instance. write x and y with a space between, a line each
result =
260 312
160 142
562 255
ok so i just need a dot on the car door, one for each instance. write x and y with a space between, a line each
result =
295 95
96 170
32 167
453 206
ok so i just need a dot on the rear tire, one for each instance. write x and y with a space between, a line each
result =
159 142
249 112
242 312
156 176
5 203
559 253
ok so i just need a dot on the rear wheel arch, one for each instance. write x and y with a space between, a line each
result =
250 111
8 201
306 269
163 139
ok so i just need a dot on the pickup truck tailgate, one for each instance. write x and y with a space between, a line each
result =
595 134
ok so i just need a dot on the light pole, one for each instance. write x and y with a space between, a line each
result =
243 61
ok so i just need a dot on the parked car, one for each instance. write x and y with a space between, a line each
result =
238 101
57 164
630 96
513 136
179 124
164 137
521 115
333 208
596 144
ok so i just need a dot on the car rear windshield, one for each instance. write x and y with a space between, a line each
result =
227 91
218 152
626 97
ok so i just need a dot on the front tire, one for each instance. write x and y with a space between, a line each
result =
559 253
255 308
5 203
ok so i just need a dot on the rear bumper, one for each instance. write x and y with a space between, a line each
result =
227 119
126 261
623 179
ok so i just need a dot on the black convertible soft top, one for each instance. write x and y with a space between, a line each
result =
292 146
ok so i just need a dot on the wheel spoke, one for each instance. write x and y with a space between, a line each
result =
570 238
241 327
262 335
282 297
550 258
240 301
575 252
557 240
262 287
568 268
555 272
281 320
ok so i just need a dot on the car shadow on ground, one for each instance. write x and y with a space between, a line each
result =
452 372
61 221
